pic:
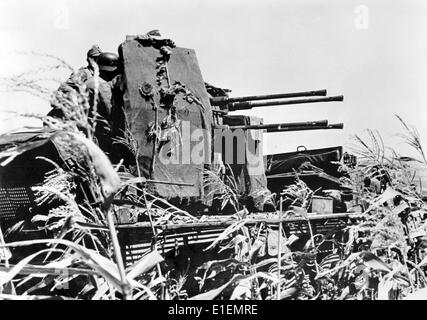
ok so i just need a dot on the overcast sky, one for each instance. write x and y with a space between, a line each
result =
372 52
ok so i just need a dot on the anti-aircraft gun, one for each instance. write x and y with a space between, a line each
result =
165 90
179 124
249 129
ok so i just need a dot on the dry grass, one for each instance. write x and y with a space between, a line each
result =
80 257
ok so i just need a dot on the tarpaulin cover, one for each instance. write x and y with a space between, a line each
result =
320 158
23 170
26 159
27 168
142 64
250 175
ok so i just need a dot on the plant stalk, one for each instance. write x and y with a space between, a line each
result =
118 255
159 270
279 247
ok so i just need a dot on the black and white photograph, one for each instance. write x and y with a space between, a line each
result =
223 151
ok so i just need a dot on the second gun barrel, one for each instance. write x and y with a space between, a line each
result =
304 128
220 101
280 125
249 105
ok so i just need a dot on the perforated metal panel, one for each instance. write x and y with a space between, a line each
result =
166 242
12 200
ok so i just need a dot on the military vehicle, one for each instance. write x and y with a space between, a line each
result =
183 127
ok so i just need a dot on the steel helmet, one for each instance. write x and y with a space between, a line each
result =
94 52
108 61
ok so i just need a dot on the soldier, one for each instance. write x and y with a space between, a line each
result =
99 92
121 151
68 89
84 73
102 102
108 65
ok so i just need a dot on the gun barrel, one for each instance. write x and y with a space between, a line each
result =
220 101
280 125
304 128
249 105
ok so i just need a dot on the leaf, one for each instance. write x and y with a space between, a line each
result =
287 293
238 239
219 266
224 235
423 262
374 262
105 267
144 264
17 227
101 291
5 254
212 294
42 271
110 181
265 262
33 297
400 208
87 288
257 249
43 283
385 288
242 290
6 277
39 218
157 281
8 155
